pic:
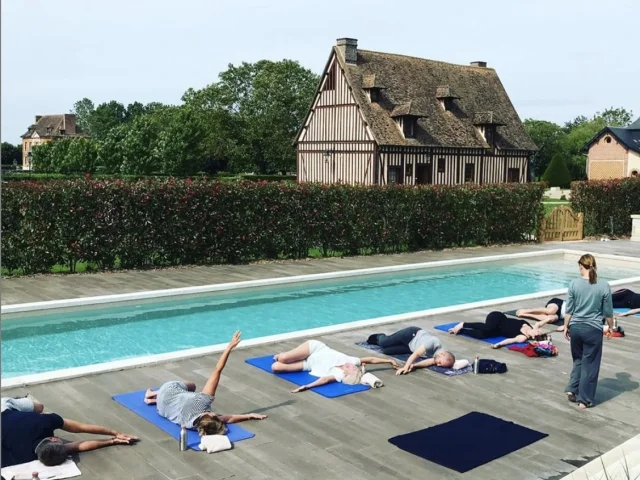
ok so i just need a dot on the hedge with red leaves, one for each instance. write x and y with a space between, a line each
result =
160 222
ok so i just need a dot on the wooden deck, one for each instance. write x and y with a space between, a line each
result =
309 436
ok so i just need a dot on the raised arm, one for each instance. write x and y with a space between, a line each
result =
317 383
212 383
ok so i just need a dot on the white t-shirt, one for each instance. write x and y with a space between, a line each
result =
324 361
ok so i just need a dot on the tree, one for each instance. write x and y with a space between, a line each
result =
548 137
11 154
106 117
616 117
83 110
557 174
265 103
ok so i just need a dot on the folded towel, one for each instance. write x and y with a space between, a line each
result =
67 469
462 363
215 443
371 380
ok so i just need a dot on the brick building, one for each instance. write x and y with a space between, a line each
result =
46 129
614 153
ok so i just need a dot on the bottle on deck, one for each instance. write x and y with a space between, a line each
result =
183 438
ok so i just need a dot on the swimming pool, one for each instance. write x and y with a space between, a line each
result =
50 340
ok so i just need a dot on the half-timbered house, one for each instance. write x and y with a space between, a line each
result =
381 118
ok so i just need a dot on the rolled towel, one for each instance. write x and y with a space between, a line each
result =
371 380
462 363
215 443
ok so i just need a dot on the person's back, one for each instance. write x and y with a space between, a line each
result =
23 431
589 303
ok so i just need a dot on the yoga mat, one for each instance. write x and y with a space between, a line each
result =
491 340
134 401
484 438
450 372
624 310
330 390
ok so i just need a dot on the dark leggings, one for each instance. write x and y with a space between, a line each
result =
625 299
397 343
497 324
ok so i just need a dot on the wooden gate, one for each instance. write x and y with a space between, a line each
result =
562 224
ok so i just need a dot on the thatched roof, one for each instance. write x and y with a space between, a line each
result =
416 84
48 126
370 81
409 109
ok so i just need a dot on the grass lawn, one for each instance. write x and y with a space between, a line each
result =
549 205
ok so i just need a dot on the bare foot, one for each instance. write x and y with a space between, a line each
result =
582 406
455 330
518 313
560 329
150 397
275 357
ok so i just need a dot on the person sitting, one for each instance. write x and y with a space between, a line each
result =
326 363
626 298
21 404
418 343
28 436
497 324
553 312
180 403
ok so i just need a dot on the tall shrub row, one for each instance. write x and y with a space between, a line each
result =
607 205
172 222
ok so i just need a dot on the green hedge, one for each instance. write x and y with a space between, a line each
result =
229 177
607 205
172 222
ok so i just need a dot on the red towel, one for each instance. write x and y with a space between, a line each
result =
529 350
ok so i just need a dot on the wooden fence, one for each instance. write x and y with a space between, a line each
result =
562 224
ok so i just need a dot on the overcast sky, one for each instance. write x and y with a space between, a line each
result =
557 58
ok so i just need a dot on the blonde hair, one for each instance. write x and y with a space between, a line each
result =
588 262
208 425
353 378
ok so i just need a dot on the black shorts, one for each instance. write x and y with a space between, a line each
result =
558 302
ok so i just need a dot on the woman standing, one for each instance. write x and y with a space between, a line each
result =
588 303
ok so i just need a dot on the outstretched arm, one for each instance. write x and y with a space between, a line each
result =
630 312
212 383
509 341
88 445
378 361
72 426
241 417
317 383
414 356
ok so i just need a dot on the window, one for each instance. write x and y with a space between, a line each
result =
513 175
489 134
373 94
447 103
634 173
469 172
408 127
607 139
442 165
394 174
330 83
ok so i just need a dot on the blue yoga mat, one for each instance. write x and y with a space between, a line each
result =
487 438
134 401
624 310
330 390
403 357
491 340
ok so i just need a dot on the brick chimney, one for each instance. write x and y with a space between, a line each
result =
479 64
348 47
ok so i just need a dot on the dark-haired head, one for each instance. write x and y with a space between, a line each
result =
51 451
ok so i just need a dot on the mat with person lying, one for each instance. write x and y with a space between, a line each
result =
404 357
329 390
492 340
625 310
134 401
486 437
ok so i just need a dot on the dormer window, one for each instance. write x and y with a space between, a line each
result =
62 131
487 123
406 117
446 97
372 86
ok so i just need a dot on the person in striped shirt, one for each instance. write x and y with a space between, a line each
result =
179 402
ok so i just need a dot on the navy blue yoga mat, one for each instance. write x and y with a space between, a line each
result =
134 401
486 437
491 340
330 390
624 310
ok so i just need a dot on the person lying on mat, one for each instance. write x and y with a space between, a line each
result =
497 324
553 312
418 343
21 404
626 298
28 436
180 403
326 363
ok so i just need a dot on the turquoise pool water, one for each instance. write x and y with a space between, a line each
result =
54 341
